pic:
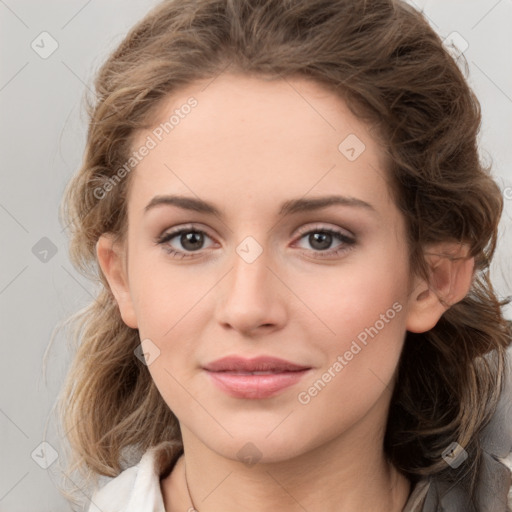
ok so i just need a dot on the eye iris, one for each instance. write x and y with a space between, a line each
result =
325 240
192 237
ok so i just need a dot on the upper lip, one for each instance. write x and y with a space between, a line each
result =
257 364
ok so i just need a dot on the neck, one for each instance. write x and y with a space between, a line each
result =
341 476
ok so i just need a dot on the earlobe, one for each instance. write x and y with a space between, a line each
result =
451 275
111 261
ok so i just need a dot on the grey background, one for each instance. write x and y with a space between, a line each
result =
42 139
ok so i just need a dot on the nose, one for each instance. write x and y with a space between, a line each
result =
252 296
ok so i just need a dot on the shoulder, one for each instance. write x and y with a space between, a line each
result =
115 494
497 443
137 488
507 461
493 483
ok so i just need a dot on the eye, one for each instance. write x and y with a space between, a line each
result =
321 238
190 239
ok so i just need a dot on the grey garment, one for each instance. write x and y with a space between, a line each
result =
494 479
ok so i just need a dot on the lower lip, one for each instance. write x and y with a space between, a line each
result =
255 386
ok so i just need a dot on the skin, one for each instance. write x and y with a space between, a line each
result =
249 146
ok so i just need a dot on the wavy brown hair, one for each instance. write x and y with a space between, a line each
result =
389 65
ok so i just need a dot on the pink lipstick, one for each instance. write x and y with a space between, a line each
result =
261 377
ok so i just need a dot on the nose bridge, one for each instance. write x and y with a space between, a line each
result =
250 275
250 297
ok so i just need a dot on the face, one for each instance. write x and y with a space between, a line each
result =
252 262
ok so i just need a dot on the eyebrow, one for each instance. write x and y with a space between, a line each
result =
287 208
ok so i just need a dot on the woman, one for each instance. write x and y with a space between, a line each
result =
284 204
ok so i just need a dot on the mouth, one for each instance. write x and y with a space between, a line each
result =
257 378
269 372
262 364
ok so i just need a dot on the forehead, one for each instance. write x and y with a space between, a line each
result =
258 138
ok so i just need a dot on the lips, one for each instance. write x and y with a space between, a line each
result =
262 365
261 377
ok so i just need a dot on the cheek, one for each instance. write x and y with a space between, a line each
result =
364 309
360 358
352 298
163 293
367 334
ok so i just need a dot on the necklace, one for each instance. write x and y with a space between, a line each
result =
194 509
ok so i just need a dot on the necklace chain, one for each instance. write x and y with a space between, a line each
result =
189 495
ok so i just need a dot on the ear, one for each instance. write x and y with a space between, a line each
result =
451 275
111 259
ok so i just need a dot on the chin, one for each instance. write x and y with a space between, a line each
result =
258 448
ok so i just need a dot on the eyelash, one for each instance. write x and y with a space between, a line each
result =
348 242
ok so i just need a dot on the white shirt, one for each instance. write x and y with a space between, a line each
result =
137 489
